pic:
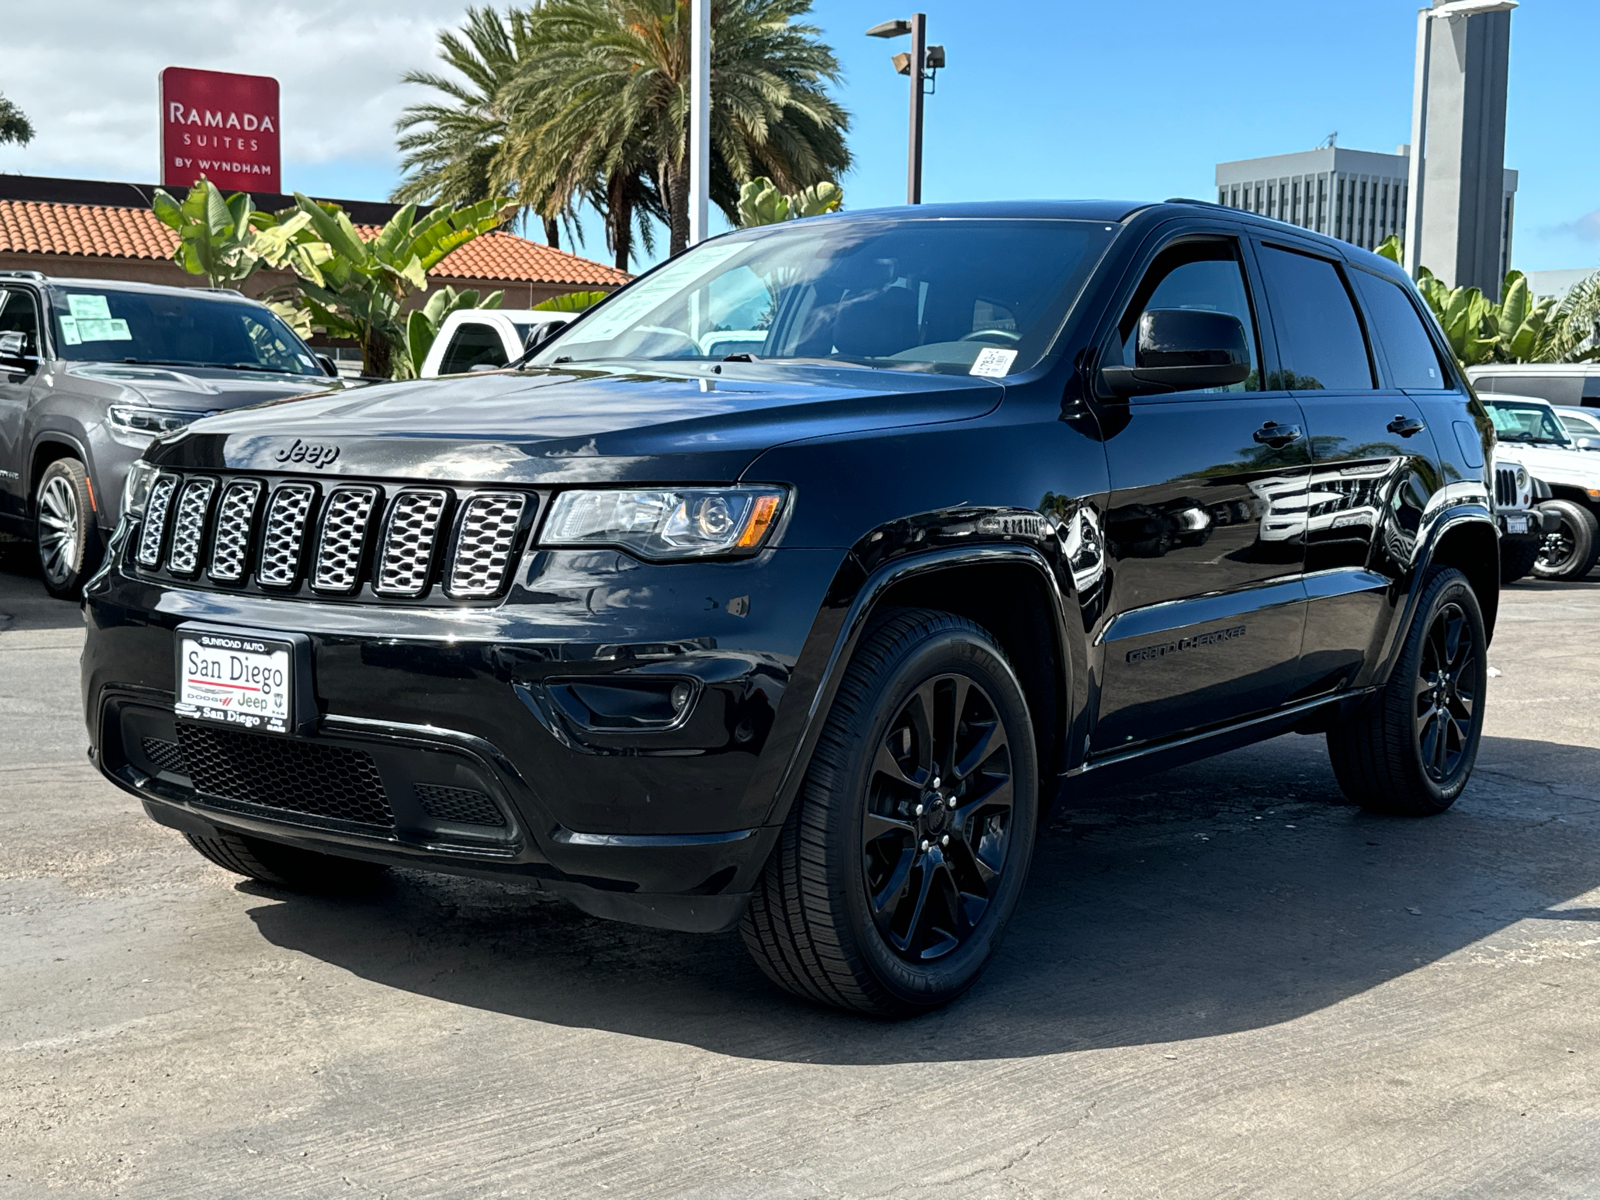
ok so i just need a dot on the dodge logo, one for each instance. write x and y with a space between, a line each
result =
309 453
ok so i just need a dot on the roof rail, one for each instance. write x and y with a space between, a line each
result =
1192 200
23 274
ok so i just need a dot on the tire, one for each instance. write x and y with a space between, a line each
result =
287 866
65 532
1404 754
1570 552
877 898
1517 556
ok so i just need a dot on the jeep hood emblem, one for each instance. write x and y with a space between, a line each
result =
310 453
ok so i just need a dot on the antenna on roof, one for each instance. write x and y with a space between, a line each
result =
1331 142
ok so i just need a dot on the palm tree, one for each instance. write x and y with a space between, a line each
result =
605 97
14 124
454 151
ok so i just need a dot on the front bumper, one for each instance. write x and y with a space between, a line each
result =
662 822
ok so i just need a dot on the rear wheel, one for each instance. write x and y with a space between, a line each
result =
287 866
68 541
1570 551
905 853
1411 751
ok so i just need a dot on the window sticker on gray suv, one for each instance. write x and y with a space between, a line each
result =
91 321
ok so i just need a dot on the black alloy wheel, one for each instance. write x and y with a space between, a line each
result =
938 814
1410 749
905 854
1447 693
1570 549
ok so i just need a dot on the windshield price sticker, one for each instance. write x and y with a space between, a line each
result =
88 308
242 681
69 330
993 361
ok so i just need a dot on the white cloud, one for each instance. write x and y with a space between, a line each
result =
1586 227
86 73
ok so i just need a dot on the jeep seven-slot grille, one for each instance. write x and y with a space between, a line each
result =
335 539
1505 486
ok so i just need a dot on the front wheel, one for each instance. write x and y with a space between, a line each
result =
68 541
903 857
287 866
1411 751
1570 551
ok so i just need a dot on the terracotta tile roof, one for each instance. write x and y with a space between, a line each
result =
32 227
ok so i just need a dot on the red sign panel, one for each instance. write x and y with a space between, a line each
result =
220 127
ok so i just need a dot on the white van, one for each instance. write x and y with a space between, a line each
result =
487 337
1575 384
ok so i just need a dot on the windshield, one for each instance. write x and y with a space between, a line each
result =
1523 422
955 295
175 329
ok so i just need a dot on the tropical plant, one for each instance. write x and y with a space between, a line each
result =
14 124
761 203
601 110
422 324
1521 328
365 283
454 150
228 239
571 302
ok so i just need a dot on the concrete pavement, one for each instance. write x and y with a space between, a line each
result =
1223 982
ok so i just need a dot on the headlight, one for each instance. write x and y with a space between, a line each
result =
1522 478
136 488
131 419
681 523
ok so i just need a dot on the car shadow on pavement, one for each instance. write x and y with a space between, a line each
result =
24 604
1224 896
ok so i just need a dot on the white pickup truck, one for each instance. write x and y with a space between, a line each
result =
487 338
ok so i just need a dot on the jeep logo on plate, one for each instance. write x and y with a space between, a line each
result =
309 453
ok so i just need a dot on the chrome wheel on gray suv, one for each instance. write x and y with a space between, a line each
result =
66 534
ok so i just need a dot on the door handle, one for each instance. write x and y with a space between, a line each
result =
1405 426
1278 436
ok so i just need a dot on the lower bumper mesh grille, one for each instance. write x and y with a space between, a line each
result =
304 777
458 804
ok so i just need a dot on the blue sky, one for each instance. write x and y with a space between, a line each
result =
1042 98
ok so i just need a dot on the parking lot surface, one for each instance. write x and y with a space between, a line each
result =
1224 981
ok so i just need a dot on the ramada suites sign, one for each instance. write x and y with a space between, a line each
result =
221 127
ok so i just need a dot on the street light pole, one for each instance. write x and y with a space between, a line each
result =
699 120
919 54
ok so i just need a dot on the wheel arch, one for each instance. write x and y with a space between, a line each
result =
1009 590
50 447
1472 546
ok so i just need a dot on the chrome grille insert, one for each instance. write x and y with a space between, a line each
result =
194 503
344 533
155 519
285 532
406 558
235 516
488 531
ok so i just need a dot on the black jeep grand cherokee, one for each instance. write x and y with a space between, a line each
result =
788 587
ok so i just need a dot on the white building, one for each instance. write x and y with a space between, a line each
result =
1354 195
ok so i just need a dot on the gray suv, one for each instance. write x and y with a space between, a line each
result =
92 371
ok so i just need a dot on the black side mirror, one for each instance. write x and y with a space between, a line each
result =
329 367
538 335
1181 350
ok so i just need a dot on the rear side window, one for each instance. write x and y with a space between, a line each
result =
473 345
1413 362
1319 337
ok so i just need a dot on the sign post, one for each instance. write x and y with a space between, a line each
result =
219 126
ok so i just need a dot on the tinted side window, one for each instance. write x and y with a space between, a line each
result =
1203 275
473 345
1413 362
1319 337
1557 389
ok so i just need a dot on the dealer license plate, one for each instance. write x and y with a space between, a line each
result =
242 680
1517 523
